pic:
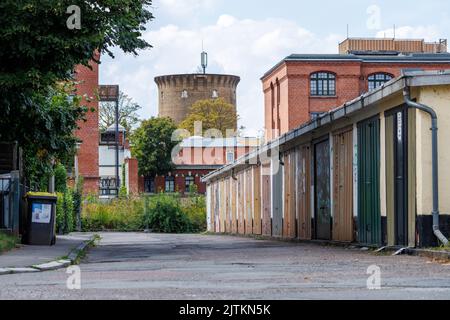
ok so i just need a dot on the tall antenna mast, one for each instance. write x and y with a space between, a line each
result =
348 31
394 31
204 59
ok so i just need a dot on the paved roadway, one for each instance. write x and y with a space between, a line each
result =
149 266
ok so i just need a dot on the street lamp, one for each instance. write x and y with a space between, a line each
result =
110 93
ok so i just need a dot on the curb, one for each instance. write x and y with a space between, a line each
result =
53 265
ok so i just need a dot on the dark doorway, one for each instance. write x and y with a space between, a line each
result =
322 192
401 176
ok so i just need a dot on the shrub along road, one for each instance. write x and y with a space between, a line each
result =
154 266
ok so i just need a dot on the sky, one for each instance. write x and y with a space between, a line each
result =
248 37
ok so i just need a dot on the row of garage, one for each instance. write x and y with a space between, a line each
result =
359 174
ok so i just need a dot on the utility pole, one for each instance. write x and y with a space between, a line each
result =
117 148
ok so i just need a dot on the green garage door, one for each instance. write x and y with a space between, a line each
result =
369 217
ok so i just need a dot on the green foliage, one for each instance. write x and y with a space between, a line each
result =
128 117
65 215
7 242
39 51
213 114
195 210
60 178
153 145
165 214
77 199
46 132
123 192
160 213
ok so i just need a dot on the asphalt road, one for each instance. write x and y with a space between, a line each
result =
149 266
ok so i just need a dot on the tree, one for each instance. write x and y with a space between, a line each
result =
214 114
40 49
128 118
153 145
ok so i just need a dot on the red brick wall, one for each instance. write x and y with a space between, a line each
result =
296 104
88 131
133 176
208 156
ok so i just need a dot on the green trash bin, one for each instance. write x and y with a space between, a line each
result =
41 219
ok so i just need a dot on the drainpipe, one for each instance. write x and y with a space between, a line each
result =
435 164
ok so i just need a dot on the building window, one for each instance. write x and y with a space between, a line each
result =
170 184
215 94
230 157
108 186
184 94
378 79
190 182
323 84
149 185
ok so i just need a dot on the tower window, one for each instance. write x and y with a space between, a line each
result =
215 94
378 79
184 94
323 84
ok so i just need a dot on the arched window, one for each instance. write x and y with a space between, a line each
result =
378 79
323 84
215 94
184 94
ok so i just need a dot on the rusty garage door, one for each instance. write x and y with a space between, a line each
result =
289 223
229 205
257 221
234 222
343 185
304 192
241 204
216 207
322 182
248 202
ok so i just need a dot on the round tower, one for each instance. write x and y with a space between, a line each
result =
177 93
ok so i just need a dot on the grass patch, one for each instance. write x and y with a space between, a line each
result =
7 242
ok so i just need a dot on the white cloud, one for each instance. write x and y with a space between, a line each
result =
247 48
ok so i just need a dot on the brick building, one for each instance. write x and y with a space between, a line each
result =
87 160
197 157
303 86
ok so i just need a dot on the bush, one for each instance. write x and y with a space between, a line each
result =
117 215
65 216
60 178
195 210
165 214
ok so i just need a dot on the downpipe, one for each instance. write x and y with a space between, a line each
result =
435 160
